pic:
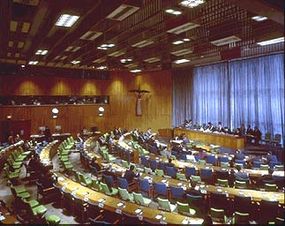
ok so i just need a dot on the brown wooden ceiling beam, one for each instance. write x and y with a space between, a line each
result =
262 8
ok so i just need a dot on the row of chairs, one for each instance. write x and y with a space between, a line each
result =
64 150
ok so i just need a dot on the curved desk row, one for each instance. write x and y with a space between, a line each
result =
119 206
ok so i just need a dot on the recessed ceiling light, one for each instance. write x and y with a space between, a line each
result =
106 46
135 70
66 20
101 67
41 52
191 3
259 18
123 61
75 61
33 62
186 39
178 42
271 41
22 66
173 12
181 61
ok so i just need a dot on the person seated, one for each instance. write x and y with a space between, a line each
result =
209 127
239 155
241 176
165 152
185 139
256 135
169 164
242 130
219 128
130 175
249 134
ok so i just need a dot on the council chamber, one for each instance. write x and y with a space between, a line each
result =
137 112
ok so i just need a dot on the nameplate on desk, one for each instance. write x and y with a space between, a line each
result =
101 204
118 211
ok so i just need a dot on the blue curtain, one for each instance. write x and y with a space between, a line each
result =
210 94
257 93
249 91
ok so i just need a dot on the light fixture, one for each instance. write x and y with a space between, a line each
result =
55 110
135 70
22 66
152 60
178 42
191 3
125 60
101 109
106 46
33 62
173 12
181 61
122 12
101 67
100 114
143 43
41 52
183 28
259 18
226 40
271 41
75 62
66 20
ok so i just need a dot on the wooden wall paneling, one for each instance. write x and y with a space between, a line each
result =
157 105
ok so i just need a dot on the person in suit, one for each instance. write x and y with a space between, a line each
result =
239 175
242 130
256 135
219 128
169 164
130 175
249 134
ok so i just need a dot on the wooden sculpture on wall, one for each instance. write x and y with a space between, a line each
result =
139 92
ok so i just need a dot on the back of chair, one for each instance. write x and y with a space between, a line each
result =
241 218
217 215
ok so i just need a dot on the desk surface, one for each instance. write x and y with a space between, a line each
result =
225 140
112 203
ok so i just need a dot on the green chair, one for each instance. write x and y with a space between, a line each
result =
166 205
240 218
125 164
264 167
110 158
181 176
53 219
279 168
224 165
96 185
159 172
202 162
125 195
223 182
107 191
184 208
196 179
148 170
270 187
32 203
218 215
240 184
39 210
85 180
139 199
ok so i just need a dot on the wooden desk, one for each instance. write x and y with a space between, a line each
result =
166 132
224 140
231 192
49 152
112 203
